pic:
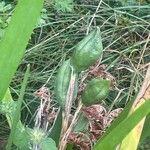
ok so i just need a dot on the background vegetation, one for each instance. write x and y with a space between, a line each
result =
125 27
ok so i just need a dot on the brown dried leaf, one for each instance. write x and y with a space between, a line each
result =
94 112
80 139
112 116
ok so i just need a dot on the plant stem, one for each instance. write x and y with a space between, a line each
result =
66 114
68 131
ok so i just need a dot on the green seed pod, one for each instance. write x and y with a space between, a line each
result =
96 90
87 51
62 83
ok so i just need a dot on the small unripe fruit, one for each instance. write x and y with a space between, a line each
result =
87 51
62 83
96 91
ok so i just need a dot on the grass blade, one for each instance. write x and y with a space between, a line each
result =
15 39
18 109
56 130
131 141
146 129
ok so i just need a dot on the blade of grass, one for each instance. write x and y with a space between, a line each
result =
18 109
132 139
15 39
119 133
56 130
146 129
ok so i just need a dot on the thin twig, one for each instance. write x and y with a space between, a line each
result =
147 41
111 107
88 28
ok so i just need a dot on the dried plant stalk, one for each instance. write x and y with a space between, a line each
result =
66 114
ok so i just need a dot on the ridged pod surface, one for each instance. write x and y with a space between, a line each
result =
62 83
96 91
87 51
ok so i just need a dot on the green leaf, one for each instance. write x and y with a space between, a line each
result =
116 135
82 124
7 98
56 130
8 109
146 129
8 103
69 146
15 39
21 138
48 144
